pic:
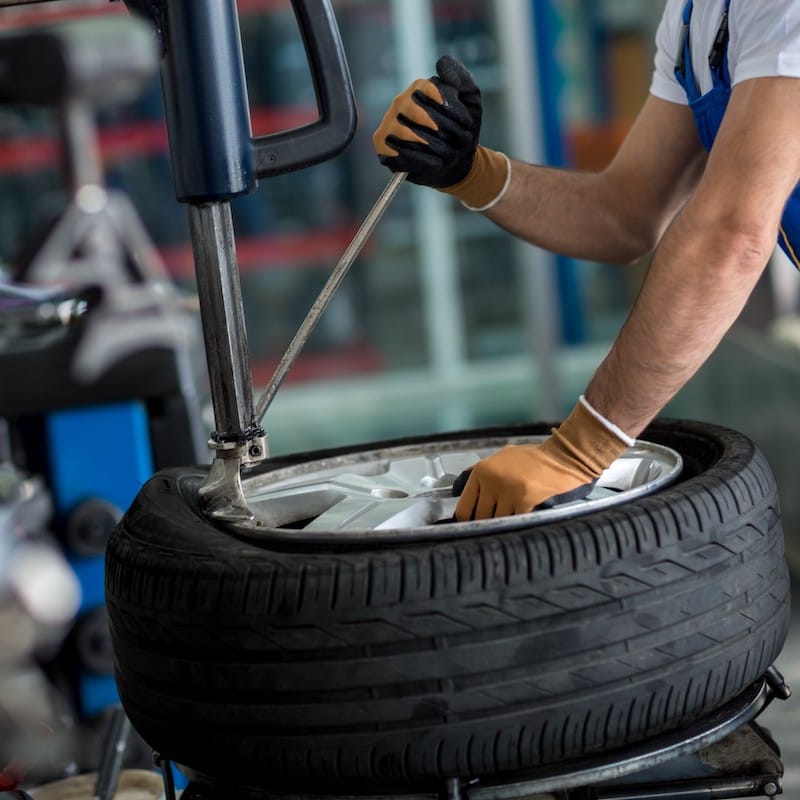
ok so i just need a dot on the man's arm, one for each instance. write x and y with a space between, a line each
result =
431 131
616 215
702 273
710 259
713 221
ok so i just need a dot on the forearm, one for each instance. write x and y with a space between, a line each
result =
709 260
618 214
431 132
576 214
697 285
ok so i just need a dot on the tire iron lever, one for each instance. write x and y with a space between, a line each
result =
324 297
221 495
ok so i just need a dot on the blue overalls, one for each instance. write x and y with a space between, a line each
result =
709 109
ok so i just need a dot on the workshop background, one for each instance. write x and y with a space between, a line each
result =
445 322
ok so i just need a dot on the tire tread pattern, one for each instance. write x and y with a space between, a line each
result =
397 666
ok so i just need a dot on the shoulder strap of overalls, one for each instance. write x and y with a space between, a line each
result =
717 58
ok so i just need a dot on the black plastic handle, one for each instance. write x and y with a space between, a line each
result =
318 141
213 152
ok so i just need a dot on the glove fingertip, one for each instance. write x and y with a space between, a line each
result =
453 72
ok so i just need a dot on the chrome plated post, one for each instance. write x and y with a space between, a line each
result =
238 439
222 313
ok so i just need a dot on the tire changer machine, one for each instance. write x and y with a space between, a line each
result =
725 756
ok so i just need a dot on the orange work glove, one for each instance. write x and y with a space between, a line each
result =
431 132
565 467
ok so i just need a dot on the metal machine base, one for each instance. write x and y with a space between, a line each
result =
725 755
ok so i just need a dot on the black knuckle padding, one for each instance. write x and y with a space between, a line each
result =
452 123
451 107
414 158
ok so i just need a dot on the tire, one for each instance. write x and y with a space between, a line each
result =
386 667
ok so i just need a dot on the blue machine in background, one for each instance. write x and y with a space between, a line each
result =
90 491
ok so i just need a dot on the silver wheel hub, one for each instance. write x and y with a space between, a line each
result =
405 489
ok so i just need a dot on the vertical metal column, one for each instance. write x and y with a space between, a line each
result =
238 438
208 121
222 313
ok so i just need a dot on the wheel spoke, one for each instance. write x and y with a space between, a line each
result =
352 513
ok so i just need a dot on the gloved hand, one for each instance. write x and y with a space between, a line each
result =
431 132
520 478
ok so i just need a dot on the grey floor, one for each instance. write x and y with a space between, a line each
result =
783 718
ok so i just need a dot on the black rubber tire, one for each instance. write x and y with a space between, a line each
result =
389 667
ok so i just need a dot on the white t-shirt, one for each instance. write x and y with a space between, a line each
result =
764 41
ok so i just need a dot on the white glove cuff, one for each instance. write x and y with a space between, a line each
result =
500 195
607 424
